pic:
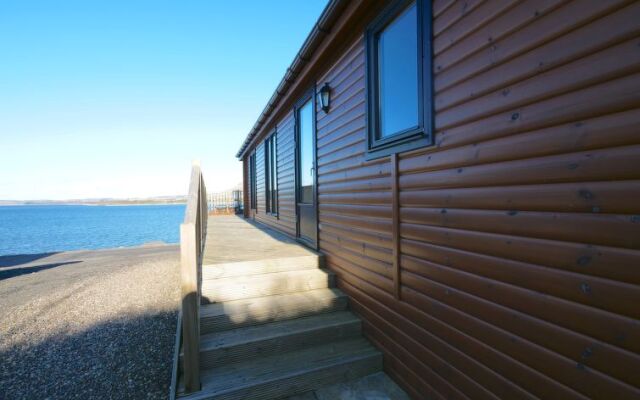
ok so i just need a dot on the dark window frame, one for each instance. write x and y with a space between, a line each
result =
253 181
271 174
412 138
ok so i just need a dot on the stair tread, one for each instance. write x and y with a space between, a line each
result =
217 317
260 277
262 266
276 301
259 371
252 286
234 337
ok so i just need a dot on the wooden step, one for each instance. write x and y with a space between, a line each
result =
243 344
245 287
255 267
290 373
247 312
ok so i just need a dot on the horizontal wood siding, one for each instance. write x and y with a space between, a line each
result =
519 231
285 221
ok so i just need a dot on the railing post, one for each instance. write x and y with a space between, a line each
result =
190 306
192 239
206 214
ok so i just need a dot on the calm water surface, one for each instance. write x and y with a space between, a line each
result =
40 229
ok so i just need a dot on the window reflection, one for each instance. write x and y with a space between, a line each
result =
307 172
398 74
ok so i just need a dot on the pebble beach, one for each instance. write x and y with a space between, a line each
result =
88 324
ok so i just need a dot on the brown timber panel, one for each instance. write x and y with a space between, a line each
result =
519 231
285 145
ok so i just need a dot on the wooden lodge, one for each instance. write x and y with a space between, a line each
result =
468 175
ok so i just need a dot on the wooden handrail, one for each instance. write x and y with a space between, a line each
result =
193 233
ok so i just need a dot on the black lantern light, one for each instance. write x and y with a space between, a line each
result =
325 97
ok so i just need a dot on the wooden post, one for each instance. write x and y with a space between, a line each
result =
192 238
206 215
395 224
190 307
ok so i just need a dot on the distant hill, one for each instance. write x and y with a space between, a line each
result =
109 201
101 201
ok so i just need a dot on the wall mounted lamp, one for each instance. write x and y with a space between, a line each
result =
325 97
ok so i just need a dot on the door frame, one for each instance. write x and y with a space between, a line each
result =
306 96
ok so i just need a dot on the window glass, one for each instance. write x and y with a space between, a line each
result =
398 74
274 176
305 115
252 173
267 206
271 176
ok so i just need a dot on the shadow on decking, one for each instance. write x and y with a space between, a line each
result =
235 239
229 318
271 232
235 243
226 317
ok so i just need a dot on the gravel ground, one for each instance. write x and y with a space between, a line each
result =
88 324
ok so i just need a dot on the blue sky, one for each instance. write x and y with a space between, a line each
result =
115 98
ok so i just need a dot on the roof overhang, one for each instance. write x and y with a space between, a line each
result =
323 29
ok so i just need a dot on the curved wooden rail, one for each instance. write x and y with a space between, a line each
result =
193 233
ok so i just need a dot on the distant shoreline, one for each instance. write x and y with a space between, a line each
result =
111 204
99 201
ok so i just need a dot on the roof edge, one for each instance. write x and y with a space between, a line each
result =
320 30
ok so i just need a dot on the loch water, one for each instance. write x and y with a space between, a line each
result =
32 229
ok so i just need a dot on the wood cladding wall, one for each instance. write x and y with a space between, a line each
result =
285 220
503 262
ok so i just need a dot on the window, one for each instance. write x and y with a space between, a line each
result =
399 94
305 127
271 174
253 181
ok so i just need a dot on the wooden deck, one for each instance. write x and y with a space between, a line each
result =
232 239
272 324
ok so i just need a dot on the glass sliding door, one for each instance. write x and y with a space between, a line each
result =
306 171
